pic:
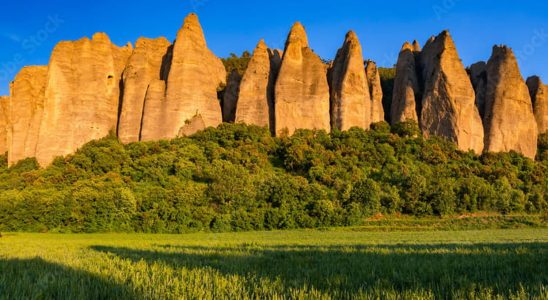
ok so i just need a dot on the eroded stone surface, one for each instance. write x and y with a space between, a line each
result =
256 98
82 95
195 77
407 92
350 95
302 91
375 90
448 104
25 112
509 120
145 64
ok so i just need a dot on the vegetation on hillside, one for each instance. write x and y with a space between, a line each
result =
239 177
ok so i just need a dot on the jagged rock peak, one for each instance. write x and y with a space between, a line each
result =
192 29
406 93
416 46
407 46
350 96
256 94
448 103
297 35
509 119
302 90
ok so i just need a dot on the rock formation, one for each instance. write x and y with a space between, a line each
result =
375 90
350 94
406 95
25 112
82 95
478 75
256 98
153 128
416 47
448 104
160 91
145 65
4 123
539 96
230 97
194 79
302 91
509 120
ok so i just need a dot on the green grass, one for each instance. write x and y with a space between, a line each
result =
305 264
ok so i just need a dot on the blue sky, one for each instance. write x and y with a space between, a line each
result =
29 29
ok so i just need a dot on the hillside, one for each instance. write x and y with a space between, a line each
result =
239 177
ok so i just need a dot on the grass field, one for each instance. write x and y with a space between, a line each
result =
307 264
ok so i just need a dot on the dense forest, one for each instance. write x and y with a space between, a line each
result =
239 177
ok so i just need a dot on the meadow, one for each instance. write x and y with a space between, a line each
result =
349 263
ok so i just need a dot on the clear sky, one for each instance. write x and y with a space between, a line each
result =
29 29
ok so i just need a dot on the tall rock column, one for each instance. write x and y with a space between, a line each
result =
302 91
350 95
25 113
375 89
4 123
145 65
256 99
509 119
539 95
82 95
448 105
194 79
407 92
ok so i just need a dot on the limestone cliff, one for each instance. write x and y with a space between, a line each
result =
26 109
375 90
350 95
194 79
82 95
256 96
509 120
145 65
302 91
448 104
407 94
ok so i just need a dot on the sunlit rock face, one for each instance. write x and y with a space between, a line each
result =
448 105
256 95
82 95
147 63
25 109
195 77
375 90
302 90
509 119
407 94
350 94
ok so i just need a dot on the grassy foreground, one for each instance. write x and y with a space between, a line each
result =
305 264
